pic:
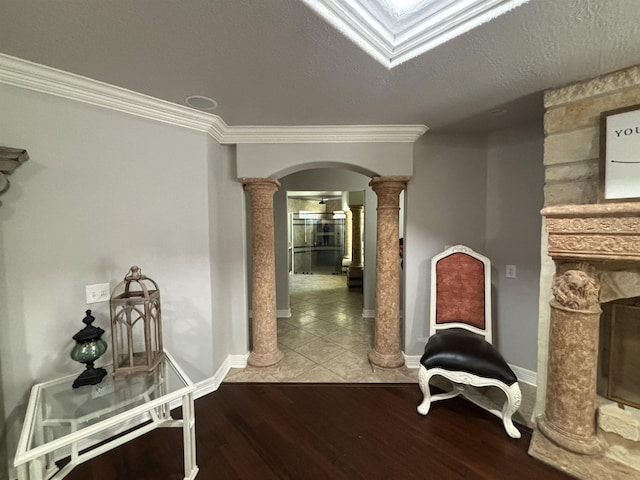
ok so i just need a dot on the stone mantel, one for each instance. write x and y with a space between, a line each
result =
584 241
596 232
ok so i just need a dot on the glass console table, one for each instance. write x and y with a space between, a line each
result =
82 423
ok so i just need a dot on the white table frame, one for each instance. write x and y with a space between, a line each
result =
38 463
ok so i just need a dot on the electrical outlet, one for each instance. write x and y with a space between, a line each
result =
97 293
510 271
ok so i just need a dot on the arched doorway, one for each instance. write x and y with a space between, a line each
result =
267 164
329 325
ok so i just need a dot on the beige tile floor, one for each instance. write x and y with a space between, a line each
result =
325 340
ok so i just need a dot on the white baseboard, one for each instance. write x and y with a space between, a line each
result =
211 384
412 361
525 376
238 361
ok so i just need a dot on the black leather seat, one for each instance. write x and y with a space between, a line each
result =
469 353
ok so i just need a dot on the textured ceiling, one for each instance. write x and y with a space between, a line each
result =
275 62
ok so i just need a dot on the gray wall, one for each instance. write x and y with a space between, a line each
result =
484 192
102 191
515 176
228 263
445 205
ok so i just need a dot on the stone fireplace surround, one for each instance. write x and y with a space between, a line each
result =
596 250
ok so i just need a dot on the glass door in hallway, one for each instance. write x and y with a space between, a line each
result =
318 243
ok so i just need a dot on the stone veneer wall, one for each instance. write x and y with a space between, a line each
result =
571 161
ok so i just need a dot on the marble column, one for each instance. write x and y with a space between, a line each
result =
386 351
265 350
355 272
348 234
570 412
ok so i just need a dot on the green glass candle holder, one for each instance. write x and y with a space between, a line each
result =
88 348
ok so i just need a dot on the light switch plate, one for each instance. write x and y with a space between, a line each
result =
99 292
510 271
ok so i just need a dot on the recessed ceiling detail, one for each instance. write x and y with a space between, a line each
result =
394 31
201 103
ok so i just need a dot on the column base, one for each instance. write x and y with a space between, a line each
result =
265 359
395 360
592 445
585 467
355 277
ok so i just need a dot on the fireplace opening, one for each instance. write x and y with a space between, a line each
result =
619 372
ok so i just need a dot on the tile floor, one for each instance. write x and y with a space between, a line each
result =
325 340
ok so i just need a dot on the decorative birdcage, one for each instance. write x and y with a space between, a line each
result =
136 325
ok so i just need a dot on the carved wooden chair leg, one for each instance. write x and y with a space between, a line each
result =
423 380
511 405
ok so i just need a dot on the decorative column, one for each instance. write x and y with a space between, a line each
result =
386 351
354 274
348 234
265 350
570 414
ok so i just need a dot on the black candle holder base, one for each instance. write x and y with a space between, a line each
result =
91 376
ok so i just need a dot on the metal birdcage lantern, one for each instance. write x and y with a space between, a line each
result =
136 325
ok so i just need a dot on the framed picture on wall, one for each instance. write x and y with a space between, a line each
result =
620 154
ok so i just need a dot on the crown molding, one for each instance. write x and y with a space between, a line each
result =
324 133
32 76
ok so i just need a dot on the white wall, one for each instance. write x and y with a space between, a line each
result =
279 160
101 192
445 205
515 183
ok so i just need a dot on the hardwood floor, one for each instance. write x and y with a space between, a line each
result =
327 431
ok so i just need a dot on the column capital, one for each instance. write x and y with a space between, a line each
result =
393 182
250 183
388 190
261 192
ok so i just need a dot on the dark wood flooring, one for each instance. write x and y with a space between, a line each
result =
327 432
